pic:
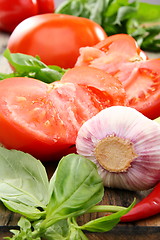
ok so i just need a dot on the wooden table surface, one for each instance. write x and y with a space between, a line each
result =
148 229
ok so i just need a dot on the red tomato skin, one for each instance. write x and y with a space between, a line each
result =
14 12
45 6
45 125
55 38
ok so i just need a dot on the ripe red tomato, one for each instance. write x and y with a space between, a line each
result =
120 56
55 38
13 12
93 77
45 6
43 119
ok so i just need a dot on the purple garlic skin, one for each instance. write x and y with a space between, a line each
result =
125 146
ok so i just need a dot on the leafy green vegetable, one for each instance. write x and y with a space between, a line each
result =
49 208
27 66
77 187
25 232
59 230
22 188
105 223
120 16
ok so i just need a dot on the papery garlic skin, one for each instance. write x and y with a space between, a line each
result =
129 125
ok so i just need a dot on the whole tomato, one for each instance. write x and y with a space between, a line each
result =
13 12
55 38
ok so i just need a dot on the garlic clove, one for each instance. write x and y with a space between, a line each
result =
125 146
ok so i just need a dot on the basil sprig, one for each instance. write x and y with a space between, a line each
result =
28 66
140 20
49 209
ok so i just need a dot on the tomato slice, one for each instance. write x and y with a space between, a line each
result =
143 88
120 56
93 77
43 119
111 53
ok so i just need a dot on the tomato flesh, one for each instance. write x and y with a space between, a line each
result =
120 56
144 93
110 54
93 77
43 119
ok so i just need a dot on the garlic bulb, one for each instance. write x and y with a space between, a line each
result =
125 146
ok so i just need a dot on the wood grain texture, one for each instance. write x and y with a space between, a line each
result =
148 229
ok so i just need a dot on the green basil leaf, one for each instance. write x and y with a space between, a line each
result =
74 231
115 16
25 232
77 234
6 75
71 7
23 179
92 9
113 7
28 66
59 231
23 62
48 75
153 11
30 212
106 223
76 186
124 13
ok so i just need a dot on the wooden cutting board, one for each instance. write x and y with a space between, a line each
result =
148 229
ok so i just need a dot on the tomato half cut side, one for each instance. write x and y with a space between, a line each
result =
143 89
93 77
43 119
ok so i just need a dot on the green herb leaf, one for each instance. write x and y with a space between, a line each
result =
25 232
59 231
120 16
6 75
153 11
22 62
76 186
74 231
92 9
28 66
106 223
23 183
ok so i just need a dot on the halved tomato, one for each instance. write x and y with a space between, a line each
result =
120 56
43 119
